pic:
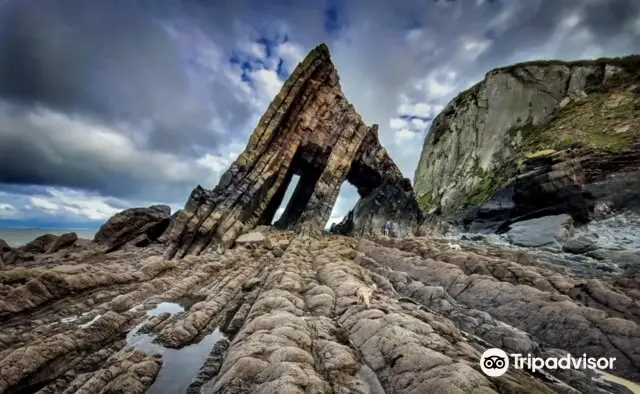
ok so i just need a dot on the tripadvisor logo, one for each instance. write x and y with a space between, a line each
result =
495 362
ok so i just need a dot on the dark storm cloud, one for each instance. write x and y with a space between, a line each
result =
608 23
108 59
43 147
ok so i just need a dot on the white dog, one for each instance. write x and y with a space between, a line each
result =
364 294
454 246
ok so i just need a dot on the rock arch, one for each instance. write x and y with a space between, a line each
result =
311 130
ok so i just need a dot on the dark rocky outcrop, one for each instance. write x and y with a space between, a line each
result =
40 244
9 255
311 130
578 245
62 242
537 139
392 201
577 182
164 238
140 226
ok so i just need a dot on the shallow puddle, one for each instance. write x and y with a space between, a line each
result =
189 300
634 387
163 307
368 381
179 366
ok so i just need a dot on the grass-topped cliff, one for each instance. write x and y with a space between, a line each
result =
521 111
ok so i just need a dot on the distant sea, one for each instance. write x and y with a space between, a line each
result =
21 236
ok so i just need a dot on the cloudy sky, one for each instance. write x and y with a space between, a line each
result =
111 104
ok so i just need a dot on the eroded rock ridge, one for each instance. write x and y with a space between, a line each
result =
281 314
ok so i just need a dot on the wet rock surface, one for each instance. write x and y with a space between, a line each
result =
578 245
609 246
253 321
541 231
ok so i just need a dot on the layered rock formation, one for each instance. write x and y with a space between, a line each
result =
561 136
310 130
256 321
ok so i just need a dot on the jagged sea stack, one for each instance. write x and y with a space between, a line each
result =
310 130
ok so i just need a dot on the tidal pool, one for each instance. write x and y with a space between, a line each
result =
179 366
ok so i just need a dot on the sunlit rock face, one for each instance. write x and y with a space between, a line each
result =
310 130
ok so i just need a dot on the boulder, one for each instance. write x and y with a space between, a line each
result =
141 240
628 261
282 244
598 254
251 283
40 244
578 245
130 224
10 255
253 238
62 242
7 253
277 251
541 231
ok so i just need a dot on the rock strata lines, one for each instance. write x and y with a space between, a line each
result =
309 130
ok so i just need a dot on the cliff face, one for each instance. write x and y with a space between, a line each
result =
481 138
310 130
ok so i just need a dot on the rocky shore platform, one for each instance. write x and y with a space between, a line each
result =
279 313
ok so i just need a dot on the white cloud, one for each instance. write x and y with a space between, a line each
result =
7 210
267 84
65 138
420 109
413 35
63 201
214 163
419 124
89 206
472 48
43 203
402 136
398 123
291 54
437 85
